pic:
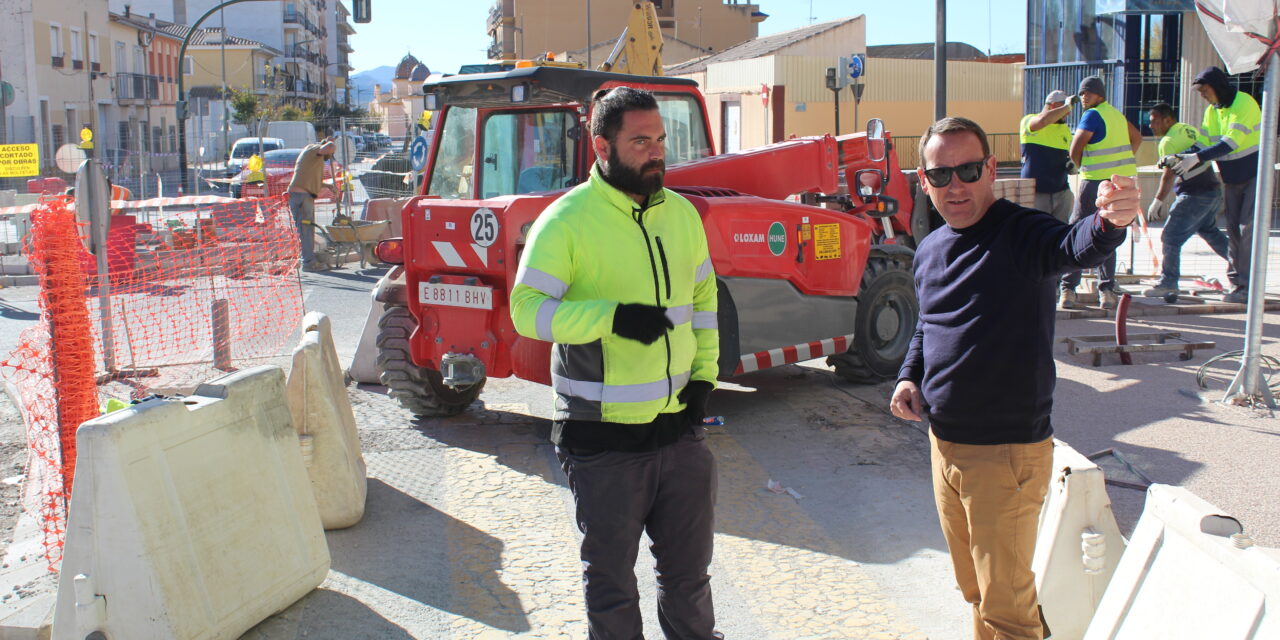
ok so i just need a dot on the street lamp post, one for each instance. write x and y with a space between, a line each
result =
182 90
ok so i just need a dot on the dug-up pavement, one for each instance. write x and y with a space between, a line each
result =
469 534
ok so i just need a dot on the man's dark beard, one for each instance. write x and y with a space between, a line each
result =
628 180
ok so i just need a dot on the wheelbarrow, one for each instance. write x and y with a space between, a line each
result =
346 235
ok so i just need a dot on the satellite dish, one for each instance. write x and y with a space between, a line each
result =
69 157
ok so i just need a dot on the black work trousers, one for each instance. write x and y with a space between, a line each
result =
668 493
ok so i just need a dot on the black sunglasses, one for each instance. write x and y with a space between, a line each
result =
968 172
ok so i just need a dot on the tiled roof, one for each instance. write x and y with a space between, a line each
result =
207 36
758 47
143 22
924 51
211 36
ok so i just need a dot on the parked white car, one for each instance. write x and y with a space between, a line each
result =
246 148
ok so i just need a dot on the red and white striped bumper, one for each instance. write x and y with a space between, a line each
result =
791 355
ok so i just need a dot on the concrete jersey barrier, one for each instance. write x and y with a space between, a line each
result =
326 425
364 364
1189 573
190 518
1078 544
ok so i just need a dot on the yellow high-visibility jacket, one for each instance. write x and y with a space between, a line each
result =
593 249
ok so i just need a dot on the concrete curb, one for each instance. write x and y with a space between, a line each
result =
19 281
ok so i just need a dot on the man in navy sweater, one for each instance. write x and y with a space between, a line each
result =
981 367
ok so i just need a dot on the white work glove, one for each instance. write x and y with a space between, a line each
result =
1072 169
1186 162
1159 210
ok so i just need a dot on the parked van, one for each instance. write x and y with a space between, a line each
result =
295 133
246 148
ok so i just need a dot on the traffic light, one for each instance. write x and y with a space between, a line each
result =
361 11
181 110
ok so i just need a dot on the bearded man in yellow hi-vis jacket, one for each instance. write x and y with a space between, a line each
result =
617 274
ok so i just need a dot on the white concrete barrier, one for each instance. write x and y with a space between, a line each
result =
1078 545
364 365
190 518
1190 573
326 426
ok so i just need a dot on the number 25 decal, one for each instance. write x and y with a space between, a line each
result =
484 227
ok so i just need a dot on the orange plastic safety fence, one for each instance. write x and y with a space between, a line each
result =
189 293
54 367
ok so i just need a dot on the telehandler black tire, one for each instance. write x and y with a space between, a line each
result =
418 389
885 322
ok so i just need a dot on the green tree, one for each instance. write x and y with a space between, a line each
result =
245 106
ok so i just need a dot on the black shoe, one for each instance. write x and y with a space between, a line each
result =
1238 296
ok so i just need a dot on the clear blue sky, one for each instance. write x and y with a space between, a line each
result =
448 33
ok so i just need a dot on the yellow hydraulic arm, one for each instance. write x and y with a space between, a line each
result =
640 43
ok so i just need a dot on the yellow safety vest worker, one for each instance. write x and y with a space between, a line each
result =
1054 136
1180 137
593 249
1112 155
1237 124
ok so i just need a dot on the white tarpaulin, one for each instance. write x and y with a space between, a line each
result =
1239 30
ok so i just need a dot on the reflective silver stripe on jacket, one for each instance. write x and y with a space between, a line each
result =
705 320
546 313
1230 142
680 315
705 269
1200 168
1107 165
1242 128
542 281
1107 151
1243 152
619 393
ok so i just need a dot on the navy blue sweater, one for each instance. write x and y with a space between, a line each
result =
982 353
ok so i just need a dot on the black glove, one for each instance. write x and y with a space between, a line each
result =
694 396
642 322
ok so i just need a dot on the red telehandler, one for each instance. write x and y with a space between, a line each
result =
806 266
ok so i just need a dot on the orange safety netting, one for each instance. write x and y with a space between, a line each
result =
190 293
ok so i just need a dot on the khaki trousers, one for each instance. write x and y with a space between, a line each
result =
989 499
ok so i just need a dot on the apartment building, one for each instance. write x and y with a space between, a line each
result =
216 59
521 29
142 120
339 49
55 54
298 29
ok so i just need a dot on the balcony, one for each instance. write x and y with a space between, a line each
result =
293 20
495 16
345 27
345 46
137 86
58 61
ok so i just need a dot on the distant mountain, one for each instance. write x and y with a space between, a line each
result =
363 81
